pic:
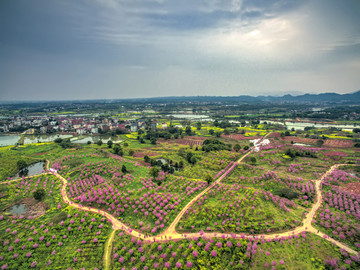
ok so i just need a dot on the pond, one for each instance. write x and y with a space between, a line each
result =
192 116
302 125
44 138
163 161
17 209
6 140
32 169
94 139
77 114
301 144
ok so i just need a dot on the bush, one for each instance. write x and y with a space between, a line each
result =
74 163
39 194
66 143
214 145
117 149
109 143
21 164
209 179
287 193
319 143
59 217
237 147
154 172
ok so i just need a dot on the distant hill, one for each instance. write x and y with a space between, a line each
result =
320 98
324 98
353 98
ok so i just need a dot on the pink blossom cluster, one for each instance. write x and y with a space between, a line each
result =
344 201
228 167
283 203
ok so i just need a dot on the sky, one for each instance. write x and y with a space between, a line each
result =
114 49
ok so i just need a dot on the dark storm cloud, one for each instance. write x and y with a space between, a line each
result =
134 48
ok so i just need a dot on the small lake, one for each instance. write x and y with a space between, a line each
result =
17 209
44 138
191 116
75 114
6 140
301 144
33 169
94 139
163 161
301 125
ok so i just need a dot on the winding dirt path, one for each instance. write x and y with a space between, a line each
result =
108 248
171 234
171 231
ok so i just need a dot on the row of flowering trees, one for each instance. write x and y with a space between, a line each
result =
63 238
194 253
140 201
25 187
236 208
339 214
213 164
304 250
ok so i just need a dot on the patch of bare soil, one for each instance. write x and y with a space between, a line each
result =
353 187
33 207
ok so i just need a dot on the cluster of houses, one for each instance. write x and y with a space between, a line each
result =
68 124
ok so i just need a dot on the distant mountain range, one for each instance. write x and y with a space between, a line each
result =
353 98
324 98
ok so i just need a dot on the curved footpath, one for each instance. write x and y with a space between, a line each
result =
171 231
171 234
108 248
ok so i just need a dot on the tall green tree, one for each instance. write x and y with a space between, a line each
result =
123 169
188 130
117 148
237 147
21 164
39 194
109 143
154 172
209 179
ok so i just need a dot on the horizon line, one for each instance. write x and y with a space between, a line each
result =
13 101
